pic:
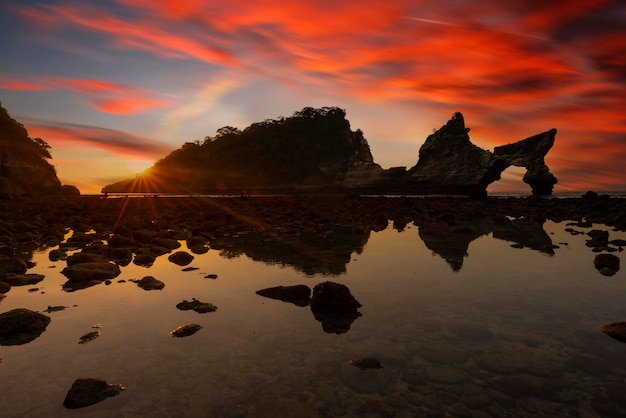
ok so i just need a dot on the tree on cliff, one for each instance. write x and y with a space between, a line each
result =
24 161
313 147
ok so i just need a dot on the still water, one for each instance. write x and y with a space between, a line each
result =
468 326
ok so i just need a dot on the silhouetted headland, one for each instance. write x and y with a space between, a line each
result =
315 150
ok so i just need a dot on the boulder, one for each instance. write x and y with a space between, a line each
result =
334 306
4 287
181 258
298 295
12 265
21 326
91 271
23 279
87 391
150 283
606 264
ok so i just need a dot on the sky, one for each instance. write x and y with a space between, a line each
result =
114 85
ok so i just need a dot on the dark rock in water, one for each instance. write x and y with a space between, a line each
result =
4 287
55 308
91 271
23 279
181 258
170 244
211 276
366 363
21 326
606 264
150 283
185 330
85 257
590 195
334 306
121 256
616 330
12 265
87 391
197 306
144 258
56 255
190 269
298 295
599 238
618 242
88 337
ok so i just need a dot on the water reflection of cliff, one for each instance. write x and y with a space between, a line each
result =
450 237
329 252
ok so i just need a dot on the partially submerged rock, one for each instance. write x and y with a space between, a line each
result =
197 306
88 337
21 326
185 330
23 279
334 306
87 391
616 330
299 295
181 258
91 271
150 283
606 264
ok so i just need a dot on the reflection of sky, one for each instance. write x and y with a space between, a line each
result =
254 346
135 79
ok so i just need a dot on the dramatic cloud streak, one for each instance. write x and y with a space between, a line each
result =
512 69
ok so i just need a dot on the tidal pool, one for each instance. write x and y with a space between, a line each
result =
463 324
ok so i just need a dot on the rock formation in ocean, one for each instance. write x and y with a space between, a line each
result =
24 162
449 162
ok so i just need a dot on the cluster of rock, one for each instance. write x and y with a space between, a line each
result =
331 303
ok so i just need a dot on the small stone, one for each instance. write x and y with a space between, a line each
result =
366 363
87 391
90 336
185 330
197 306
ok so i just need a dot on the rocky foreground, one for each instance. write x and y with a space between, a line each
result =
150 226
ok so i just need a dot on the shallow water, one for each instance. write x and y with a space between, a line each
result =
465 326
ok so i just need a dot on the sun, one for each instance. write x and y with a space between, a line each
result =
138 166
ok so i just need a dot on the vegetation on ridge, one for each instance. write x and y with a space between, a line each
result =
313 147
24 161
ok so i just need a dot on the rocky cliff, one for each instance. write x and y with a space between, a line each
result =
25 162
315 150
449 163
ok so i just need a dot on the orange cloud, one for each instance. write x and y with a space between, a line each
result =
512 69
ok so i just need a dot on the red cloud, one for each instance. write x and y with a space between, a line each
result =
65 135
20 85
